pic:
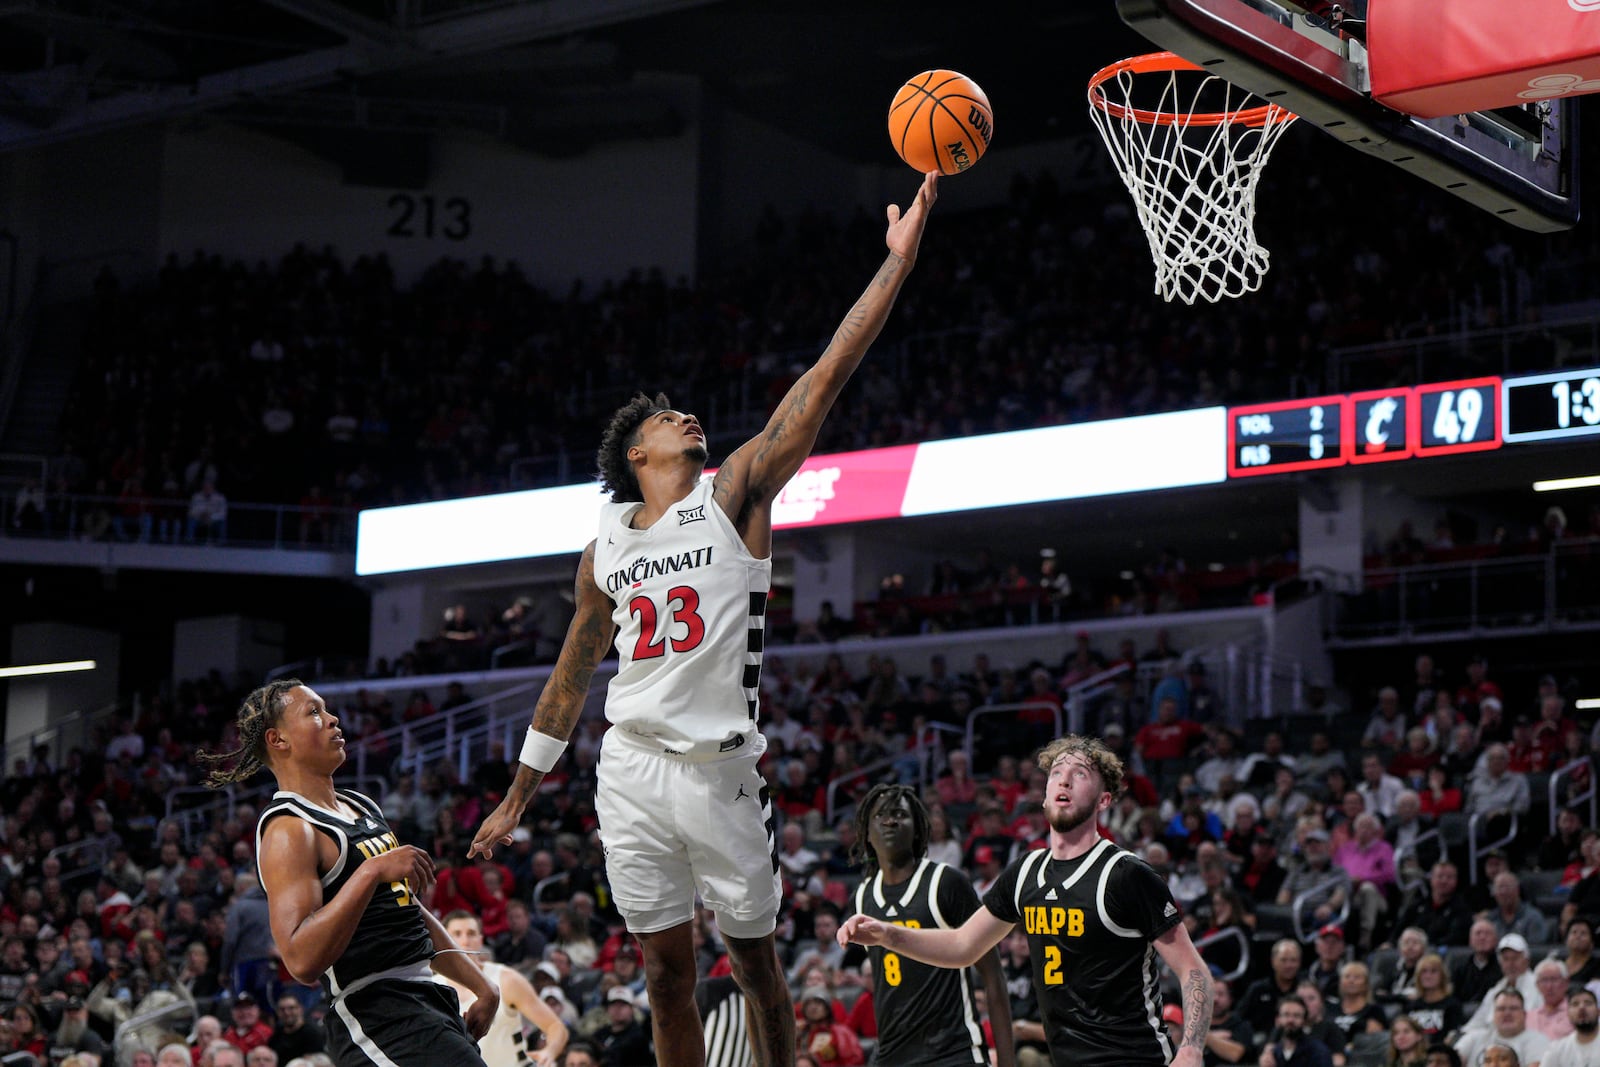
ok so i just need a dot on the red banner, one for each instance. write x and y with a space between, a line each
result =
846 487
1445 57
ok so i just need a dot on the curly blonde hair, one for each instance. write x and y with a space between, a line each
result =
1093 752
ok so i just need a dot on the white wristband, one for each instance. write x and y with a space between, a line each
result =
541 751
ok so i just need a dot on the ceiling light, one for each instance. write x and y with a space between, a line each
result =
47 668
1588 703
1554 484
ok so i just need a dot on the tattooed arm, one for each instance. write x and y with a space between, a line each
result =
1194 978
589 639
758 471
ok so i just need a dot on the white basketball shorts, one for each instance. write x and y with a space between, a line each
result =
673 828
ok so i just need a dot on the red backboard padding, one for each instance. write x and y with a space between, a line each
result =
1445 57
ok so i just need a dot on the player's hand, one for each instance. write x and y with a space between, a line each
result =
863 930
480 1016
496 829
905 230
409 864
1187 1056
543 1058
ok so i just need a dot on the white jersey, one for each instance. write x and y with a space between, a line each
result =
690 605
505 1045
1568 1053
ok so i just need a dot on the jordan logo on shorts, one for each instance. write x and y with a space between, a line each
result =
741 795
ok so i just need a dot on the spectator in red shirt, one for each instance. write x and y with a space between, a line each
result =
1477 687
1169 737
1439 796
1411 763
957 786
1524 754
827 1041
798 797
1550 732
1588 859
1042 703
470 881
247 1031
1007 784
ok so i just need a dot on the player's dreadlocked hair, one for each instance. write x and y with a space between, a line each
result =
861 851
1092 751
260 710
621 434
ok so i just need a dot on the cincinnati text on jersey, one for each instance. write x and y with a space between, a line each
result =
644 567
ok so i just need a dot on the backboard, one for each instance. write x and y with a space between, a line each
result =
1518 163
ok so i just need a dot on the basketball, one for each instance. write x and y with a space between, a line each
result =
940 120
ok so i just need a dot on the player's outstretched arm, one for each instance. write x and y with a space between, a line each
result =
311 933
999 1001
460 967
518 992
960 947
588 640
754 474
1194 979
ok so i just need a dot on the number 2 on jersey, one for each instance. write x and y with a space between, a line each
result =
685 613
1052 965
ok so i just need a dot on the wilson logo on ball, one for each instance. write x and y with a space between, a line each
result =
979 120
940 120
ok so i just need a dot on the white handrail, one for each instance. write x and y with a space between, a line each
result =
1473 824
1298 905
1559 775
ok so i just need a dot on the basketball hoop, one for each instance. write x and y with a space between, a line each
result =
1192 172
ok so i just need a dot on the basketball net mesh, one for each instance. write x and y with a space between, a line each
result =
1193 176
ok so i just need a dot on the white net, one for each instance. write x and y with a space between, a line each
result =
1191 152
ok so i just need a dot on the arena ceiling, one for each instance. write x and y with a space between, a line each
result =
557 76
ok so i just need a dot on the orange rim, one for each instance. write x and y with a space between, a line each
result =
1159 62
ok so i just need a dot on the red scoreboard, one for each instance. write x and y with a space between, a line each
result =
1376 426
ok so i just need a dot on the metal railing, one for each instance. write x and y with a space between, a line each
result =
194 822
78 848
163 521
178 1008
1232 932
1475 848
16 333
452 734
1080 693
539 890
1526 594
920 750
1465 353
19 467
995 709
1300 903
1560 775
1413 848
75 729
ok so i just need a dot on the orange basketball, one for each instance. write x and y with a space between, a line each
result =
940 120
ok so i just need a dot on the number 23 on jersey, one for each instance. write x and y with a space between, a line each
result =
684 630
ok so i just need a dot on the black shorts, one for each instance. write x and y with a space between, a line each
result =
396 1023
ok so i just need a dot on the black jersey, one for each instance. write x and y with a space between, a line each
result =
390 933
926 1015
1090 923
